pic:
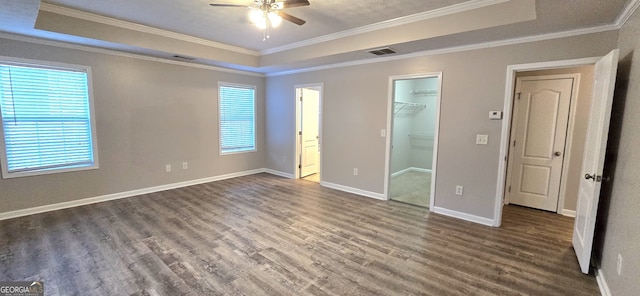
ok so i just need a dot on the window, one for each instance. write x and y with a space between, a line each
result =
46 116
237 118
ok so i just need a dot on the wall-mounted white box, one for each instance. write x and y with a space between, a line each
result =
495 115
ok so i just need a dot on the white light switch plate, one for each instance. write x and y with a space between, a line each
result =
482 139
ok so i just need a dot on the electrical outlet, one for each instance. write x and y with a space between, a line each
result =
355 171
619 264
167 168
482 139
459 190
185 165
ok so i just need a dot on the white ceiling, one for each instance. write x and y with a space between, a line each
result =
223 36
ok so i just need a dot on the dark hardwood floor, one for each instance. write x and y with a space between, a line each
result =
265 235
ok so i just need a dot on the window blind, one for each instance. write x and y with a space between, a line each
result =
46 120
237 119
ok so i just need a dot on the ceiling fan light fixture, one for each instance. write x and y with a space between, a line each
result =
259 18
275 19
266 14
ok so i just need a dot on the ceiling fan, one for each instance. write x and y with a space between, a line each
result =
266 14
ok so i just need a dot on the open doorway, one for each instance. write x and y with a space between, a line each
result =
578 73
308 129
413 133
548 129
590 178
554 164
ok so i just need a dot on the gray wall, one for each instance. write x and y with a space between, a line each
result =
618 231
148 114
355 109
583 102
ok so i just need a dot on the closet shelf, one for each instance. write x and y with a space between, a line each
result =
408 106
424 92
420 136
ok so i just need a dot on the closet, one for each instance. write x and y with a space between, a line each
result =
415 110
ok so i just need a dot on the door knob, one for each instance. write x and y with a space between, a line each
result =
557 153
587 176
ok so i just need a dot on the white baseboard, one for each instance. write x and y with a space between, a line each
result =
353 190
400 173
114 196
411 169
602 283
568 213
119 195
279 173
421 170
463 216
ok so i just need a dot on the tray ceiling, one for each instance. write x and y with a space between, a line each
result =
336 30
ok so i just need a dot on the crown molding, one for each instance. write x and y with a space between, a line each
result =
622 18
462 7
114 52
477 46
141 28
619 22
627 13
463 48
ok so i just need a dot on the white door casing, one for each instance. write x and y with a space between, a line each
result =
309 160
593 160
541 115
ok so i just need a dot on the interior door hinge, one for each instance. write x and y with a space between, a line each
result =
300 133
299 166
519 94
300 99
509 188
514 143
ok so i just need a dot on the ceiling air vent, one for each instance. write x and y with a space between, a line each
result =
383 51
183 58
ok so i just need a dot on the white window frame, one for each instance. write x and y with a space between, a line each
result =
94 141
236 85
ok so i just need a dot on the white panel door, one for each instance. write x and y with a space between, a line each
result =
542 114
309 160
593 161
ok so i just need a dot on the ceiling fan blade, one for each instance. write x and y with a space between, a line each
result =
295 3
228 5
291 18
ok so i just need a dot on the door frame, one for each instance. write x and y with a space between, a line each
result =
506 122
573 105
389 131
297 145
